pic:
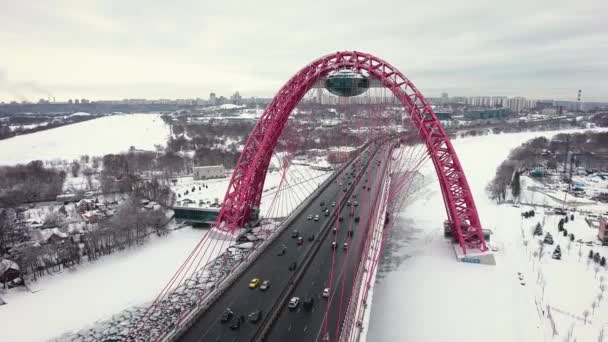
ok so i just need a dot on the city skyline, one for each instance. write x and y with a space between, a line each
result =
111 50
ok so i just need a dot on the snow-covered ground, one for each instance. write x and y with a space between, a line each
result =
423 294
97 137
72 300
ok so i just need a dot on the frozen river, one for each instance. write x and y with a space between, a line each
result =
110 134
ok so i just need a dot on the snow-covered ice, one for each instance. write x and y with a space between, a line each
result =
97 137
423 294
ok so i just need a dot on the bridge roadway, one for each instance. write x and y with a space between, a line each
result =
303 325
270 266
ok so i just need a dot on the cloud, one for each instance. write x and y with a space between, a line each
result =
116 49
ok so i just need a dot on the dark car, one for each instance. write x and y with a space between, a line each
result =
308 303
322 204
295 233
357 219
282 251
293 266
226 315
349 232
341 219
255 316
236 323
311 237
326 213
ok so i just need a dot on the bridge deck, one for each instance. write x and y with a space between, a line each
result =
270 266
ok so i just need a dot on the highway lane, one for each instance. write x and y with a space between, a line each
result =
303 325
269 266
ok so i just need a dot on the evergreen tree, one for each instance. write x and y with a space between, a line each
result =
548 239
571 237
603 261
515 186
566 219
538 230
596 257
565 232
571 217
591 254
557 254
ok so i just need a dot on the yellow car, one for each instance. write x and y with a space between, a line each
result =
254 283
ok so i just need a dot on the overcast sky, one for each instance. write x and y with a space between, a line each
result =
118 49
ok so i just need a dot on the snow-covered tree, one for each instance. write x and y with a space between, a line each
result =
538 230
603 261
596 257
557 253
548 239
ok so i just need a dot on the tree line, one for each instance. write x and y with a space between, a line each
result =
560 153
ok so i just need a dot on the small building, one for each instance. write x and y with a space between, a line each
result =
603 231
209 172
9 271
52 235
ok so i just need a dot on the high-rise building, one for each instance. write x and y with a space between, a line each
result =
212 99
236 98
517 104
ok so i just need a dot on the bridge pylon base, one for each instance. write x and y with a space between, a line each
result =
474 256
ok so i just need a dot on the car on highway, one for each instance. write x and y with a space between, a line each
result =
311 237
300 240
357 219
265 285
282 251
368 188
325 292
349 232
255 316
334 230
293 303
345 246
236 323
322 204
226 315
295 233
309 217
307 303
341 219
348 203
293 266
316 218
333 245
355 203
333 204
254 283
344 189
326 213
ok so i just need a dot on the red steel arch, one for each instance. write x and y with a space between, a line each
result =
245 188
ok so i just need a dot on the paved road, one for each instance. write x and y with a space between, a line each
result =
303 325
269 266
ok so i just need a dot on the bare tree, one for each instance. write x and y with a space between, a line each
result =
585 315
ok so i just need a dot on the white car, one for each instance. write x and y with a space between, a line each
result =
293 303
316 218
310 217
326 292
